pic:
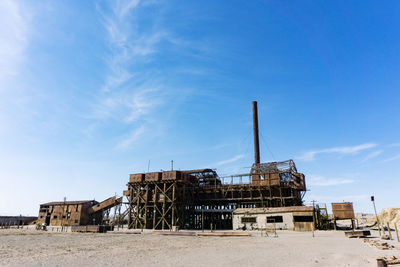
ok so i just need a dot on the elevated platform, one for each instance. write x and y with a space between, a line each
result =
197 199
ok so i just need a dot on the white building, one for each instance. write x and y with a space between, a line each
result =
298 218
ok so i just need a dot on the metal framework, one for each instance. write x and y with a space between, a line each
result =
202 200
199 199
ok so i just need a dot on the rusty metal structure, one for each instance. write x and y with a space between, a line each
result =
200 199
343 211
69 213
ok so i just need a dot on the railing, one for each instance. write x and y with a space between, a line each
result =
236 179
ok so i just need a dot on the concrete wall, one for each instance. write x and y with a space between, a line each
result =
261 221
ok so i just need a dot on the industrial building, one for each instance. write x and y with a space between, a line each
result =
269 194
16 220
298 218
69 213
200 199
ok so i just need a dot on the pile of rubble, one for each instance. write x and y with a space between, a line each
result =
385 261
390 215
379 244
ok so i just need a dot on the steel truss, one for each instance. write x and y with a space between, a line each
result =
164 204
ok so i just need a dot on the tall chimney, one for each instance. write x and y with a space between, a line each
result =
255 131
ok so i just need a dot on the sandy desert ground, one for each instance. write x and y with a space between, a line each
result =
327 248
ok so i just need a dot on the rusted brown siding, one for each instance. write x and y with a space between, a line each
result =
343 211
153 176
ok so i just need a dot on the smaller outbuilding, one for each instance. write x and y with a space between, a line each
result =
16 220
72 213
298 218
67 213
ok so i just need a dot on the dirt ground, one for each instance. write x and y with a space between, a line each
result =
327 248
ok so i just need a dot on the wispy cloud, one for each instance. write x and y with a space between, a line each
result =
122 7
394 145
131 92
13 38
315 180
310 155
132 137
233 159
392 158
372 155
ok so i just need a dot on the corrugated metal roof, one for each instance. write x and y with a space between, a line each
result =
198 170
273 210
69 202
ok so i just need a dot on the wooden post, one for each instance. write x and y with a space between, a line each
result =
313 220
137 207
164 207
130 208
389 231
146 215
154 207
202 218
397 232
376 216
313 230
173 204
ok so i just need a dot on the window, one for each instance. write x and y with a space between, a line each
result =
249 219
68 215
76 221
41 216
274 219
55 217
303 218
63 216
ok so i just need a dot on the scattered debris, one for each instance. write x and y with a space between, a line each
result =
91 228
384 261
379 244
352 234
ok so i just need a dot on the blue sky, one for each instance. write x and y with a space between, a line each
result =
90 91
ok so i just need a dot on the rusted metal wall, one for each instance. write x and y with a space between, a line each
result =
62 214
136 178
303 226
174 176
343 211
153 176
71 213
106 204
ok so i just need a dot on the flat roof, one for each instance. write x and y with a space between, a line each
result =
273 210
68 202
